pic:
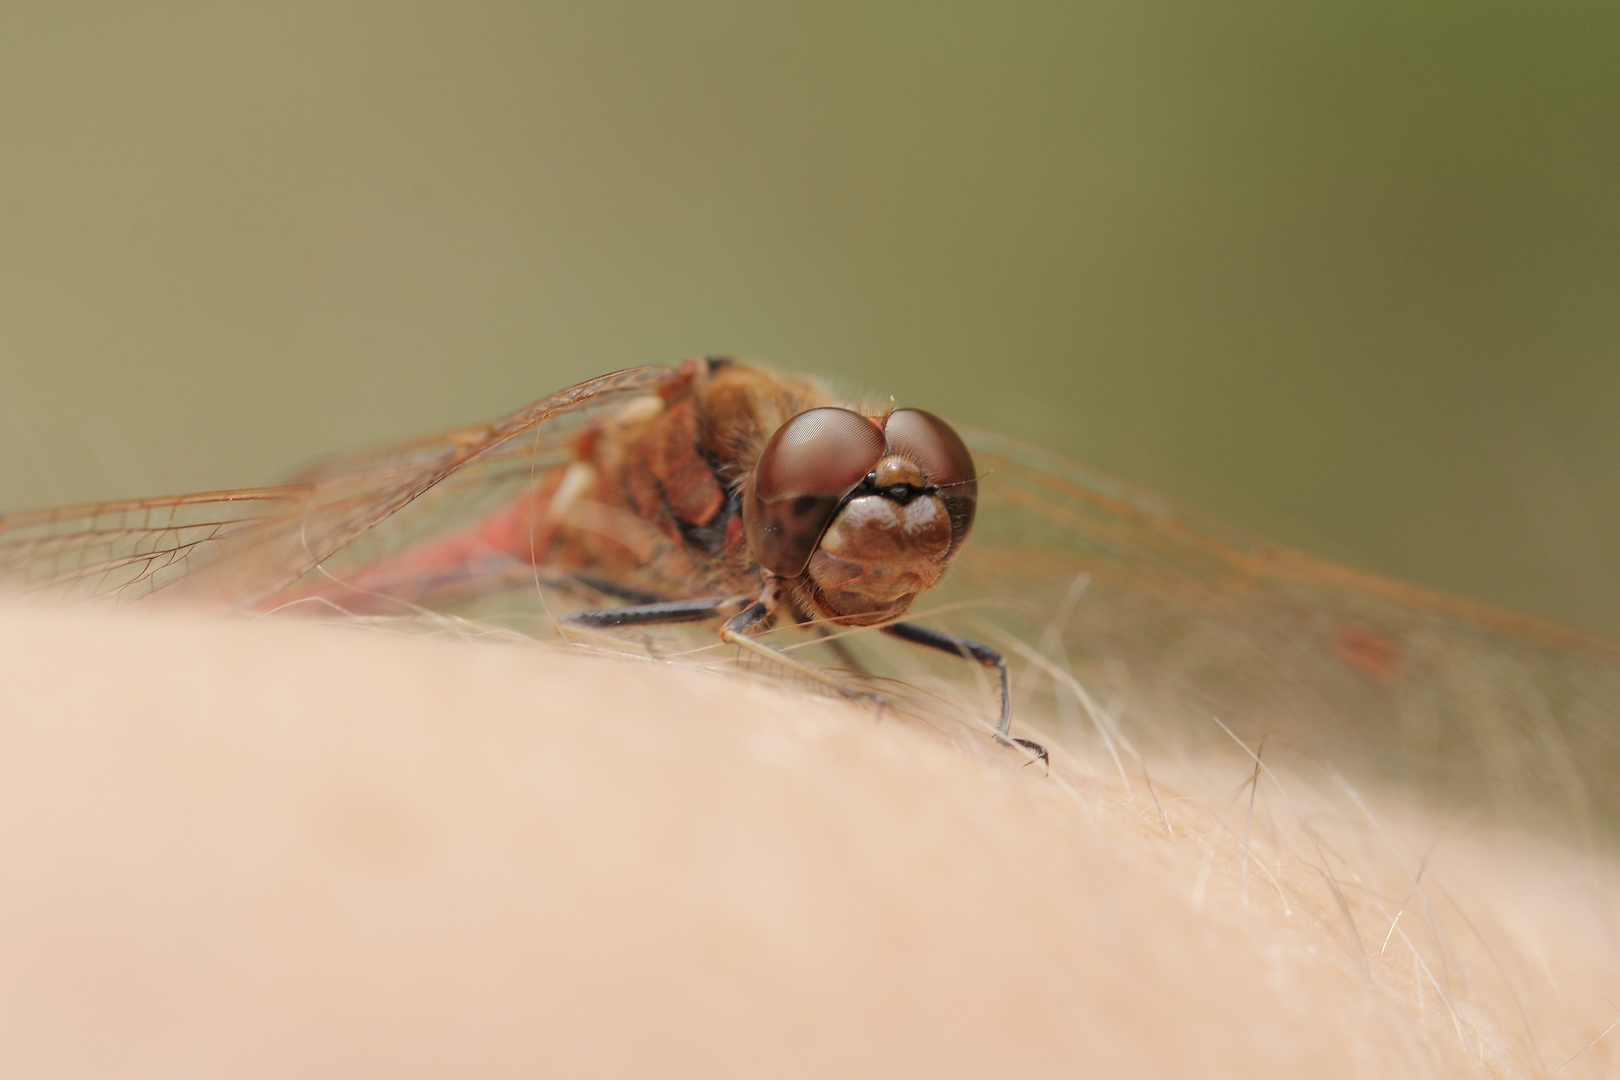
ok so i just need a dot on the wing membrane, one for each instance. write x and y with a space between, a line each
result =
1175 617
240 547
128 549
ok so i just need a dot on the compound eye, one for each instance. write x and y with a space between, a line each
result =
807 468
944 459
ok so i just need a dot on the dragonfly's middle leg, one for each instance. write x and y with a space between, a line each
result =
664 611
597 621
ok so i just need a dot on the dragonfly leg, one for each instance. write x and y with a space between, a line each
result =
737 629
666 611
746 614
596 622
979 653
840 650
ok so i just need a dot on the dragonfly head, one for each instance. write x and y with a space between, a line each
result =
868 509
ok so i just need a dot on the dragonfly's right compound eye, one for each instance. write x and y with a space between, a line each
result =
810 464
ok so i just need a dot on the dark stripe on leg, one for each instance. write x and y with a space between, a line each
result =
670 611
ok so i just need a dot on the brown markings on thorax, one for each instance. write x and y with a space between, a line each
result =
675 467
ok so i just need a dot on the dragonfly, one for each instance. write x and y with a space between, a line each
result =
715 491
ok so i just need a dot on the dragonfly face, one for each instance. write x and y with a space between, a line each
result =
864 511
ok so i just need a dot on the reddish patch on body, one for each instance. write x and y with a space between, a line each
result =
1368 650
521 528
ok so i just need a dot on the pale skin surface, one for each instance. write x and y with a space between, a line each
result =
275 848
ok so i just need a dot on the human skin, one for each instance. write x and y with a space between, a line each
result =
274 847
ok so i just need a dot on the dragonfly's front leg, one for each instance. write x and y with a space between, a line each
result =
739 628
979 653
743 615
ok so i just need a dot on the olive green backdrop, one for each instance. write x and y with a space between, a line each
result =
1347 273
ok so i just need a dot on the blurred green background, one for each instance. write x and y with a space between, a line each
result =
1344 273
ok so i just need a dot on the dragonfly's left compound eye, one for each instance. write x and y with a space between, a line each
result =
807 468
944 459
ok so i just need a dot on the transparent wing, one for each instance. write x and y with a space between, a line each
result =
1170 620
127 549
240 547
